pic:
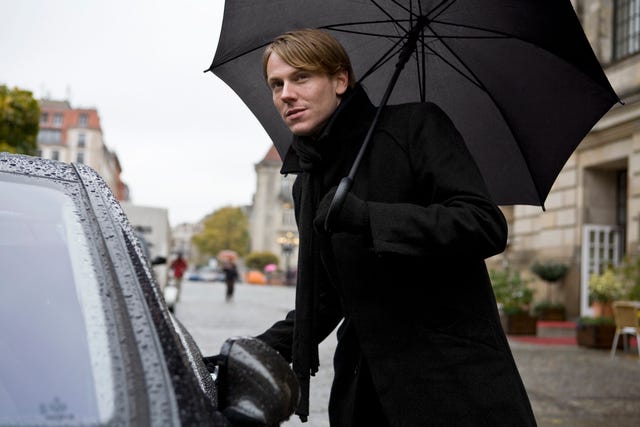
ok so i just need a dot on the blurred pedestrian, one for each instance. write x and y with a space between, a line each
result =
403 267
230 276
178 267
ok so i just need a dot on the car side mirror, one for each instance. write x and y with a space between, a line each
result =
256 386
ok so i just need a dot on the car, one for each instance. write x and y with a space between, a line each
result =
206 274
87 337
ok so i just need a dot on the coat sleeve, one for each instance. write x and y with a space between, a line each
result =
454 214
280 335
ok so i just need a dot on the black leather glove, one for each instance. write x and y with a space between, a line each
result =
353 216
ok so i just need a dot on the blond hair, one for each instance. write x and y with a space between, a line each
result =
310 50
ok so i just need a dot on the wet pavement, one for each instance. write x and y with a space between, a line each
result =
569 386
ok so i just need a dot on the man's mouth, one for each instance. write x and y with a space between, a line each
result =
294 113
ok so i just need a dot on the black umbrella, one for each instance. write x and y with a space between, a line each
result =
517 77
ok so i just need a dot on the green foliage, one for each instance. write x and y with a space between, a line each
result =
19 121
226 228
607 287
511 290
546 305
584 321
550 271
259 260
629 272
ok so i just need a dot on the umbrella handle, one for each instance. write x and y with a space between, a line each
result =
336 203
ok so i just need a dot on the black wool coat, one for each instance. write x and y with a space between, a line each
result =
415 296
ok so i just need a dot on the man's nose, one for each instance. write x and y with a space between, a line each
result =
288 92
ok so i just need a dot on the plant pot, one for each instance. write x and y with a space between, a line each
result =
602 309
596 336
520 324
552 314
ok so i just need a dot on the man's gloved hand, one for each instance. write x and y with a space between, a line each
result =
353 216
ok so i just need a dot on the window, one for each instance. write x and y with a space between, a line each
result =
288 215
626 28
80 158
83 120
81 139
55 155
49 136
58 302
44 118
57 120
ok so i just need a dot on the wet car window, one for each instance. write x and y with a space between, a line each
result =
55 363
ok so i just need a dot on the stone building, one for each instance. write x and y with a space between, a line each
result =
592 212
272 222
74 135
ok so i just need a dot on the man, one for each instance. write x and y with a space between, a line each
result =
403 268
230 275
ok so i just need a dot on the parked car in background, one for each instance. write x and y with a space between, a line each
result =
206 274
86 336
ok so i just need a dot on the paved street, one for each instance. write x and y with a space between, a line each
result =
569 386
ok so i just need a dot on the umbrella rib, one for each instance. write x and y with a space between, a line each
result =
262 46
388 55
457 69
444 9
498 107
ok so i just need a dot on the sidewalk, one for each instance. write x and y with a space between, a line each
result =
573 386
568 385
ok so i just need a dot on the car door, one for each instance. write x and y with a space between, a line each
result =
86 337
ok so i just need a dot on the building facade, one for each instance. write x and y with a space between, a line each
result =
592 212
74 135
272 222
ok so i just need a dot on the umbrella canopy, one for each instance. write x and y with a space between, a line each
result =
518 78
227 255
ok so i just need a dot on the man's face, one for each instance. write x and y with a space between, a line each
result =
304 99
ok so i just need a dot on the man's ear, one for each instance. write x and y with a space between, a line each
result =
342 82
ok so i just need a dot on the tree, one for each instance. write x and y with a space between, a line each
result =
226 228
19 118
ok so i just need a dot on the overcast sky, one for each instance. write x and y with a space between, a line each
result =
184 139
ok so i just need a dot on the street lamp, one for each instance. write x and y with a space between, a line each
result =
288 242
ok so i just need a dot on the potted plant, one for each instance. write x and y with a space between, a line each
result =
553 311
595 332
605 288
514 299
629 272
598 331
551 272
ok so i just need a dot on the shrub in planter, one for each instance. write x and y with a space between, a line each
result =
550 272
550 311
596 332
607 287
514 298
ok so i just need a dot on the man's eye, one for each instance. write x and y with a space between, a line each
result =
275 85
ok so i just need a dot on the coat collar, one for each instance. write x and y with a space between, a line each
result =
355 110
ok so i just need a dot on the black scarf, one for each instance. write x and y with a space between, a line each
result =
323 161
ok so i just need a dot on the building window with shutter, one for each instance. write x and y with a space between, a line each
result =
57 120
44 118
80 158
50 136
82 140
83 120
55 155
626 28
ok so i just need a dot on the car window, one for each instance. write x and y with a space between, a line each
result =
55 363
